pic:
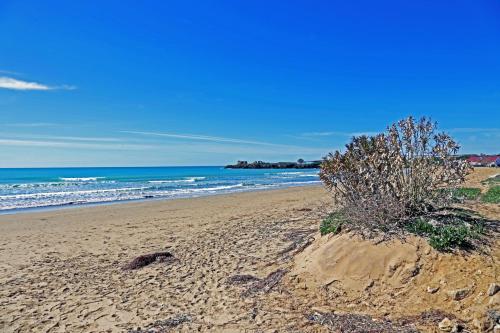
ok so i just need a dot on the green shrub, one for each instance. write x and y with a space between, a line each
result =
492 196
466 193
332 224
420 227
445 237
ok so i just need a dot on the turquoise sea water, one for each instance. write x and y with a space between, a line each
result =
22 189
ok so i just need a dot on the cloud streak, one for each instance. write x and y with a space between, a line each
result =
72 145
31 125
202 138
15 84
205 143
337 133
471 130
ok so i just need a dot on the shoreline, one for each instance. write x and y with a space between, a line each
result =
28 210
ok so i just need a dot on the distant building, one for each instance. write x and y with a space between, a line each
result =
484 160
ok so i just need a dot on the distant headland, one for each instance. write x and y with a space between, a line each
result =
300 164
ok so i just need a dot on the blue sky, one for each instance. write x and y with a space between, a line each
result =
110 83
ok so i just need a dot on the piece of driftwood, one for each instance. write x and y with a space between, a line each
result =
356 323
147 259
430 318
164 326
242 279
265 285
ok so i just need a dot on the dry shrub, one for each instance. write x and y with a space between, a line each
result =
381 180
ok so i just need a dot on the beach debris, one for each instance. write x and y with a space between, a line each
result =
432 290
494 315
487 322
430 317
356 323
242 279
369 285
447 325
300 239
265 285
163 326
494 300
493 289
147 259
458 294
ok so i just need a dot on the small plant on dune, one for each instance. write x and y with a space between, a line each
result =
445 237
332 224
382 181
466 193
448 237
492 195
492 180
421 227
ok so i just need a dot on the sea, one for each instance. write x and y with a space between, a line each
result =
23 189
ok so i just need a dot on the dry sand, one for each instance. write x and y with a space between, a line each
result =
61 271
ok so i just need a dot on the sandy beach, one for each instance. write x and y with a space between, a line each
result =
61 271
246 262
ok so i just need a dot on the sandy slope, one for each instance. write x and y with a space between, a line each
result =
62 270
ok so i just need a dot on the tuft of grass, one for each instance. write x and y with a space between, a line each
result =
466 193
492 180
446 237
420 227
492 196
332 224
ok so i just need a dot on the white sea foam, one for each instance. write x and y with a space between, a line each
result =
80 179
184 180
303 183
166 181
292 174
68 193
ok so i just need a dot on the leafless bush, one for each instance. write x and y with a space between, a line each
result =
385 179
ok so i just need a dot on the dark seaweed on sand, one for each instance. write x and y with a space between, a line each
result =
147 259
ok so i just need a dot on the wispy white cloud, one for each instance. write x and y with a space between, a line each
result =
72 145
337 133
31 125
15 84
186 145
324 134
482 130
81 138
202 138
9 72
472 130
216 144
61 138
368 133
193 148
